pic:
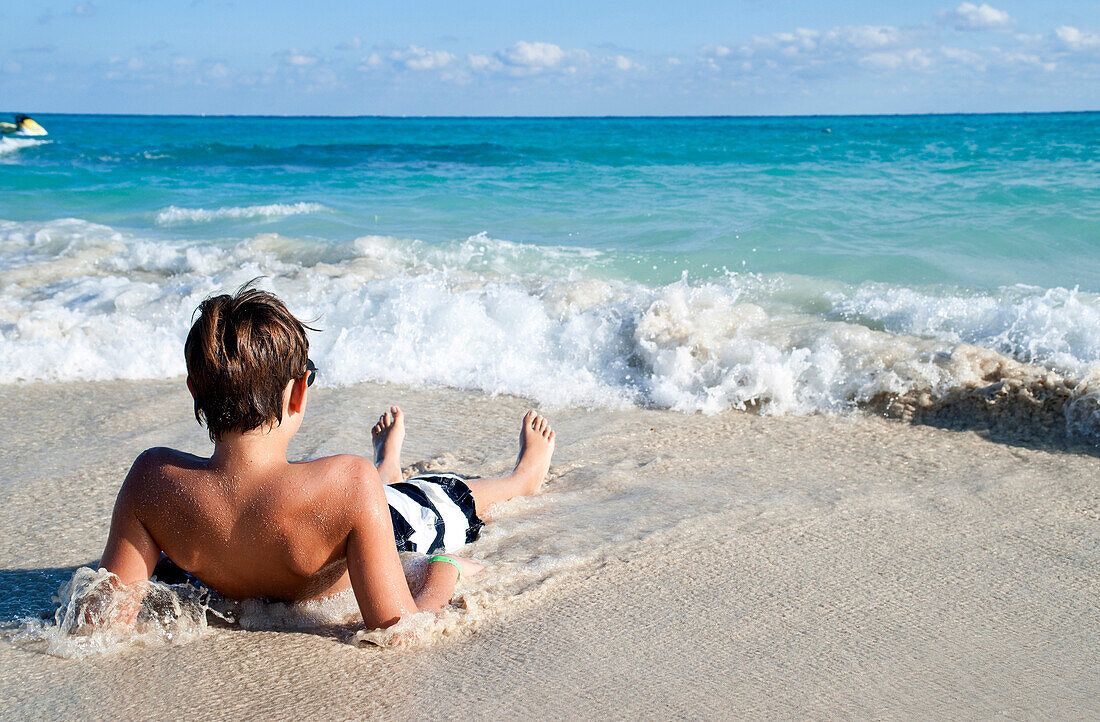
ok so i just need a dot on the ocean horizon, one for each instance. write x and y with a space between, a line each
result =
414 116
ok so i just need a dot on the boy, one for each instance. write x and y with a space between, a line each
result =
248 523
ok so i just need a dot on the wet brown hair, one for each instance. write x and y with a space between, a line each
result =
241 352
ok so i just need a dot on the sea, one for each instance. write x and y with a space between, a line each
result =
789 265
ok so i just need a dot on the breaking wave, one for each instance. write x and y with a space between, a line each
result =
560 325
173 215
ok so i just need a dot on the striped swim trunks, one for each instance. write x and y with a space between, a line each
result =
432 513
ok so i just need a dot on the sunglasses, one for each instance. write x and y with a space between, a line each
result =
312 369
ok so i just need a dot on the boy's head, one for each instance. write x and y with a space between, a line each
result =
241 353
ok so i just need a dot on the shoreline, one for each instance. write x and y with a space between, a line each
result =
676 564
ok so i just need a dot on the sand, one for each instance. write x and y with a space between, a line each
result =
675 565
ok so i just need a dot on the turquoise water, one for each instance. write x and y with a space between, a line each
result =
971 200
690 263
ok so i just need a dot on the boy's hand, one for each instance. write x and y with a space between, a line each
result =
469 566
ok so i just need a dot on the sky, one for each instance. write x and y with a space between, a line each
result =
518 57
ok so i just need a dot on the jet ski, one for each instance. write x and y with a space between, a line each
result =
24 126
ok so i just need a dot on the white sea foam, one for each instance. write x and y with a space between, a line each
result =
83 301
1055 327
9 145
95 615
173 215
91 610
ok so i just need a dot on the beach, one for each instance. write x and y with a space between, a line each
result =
827 407
675 565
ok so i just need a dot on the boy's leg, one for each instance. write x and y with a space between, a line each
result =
388 435
536 446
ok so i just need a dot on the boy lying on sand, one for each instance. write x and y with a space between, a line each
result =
248 523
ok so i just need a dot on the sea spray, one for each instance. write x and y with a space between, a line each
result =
9 147
93 609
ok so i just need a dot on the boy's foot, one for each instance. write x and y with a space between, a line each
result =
388 435
536 446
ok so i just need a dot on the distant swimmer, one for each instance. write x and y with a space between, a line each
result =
23 126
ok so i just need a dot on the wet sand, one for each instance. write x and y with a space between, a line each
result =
675 565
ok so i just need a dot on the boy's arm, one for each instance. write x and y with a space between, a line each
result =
375 567
131 553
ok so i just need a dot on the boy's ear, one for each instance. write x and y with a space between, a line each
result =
297 395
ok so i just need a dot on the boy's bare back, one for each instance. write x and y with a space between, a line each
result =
258 532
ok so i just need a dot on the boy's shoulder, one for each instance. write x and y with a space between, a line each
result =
154 473
158 465
350 469
164 455
348 481
162 458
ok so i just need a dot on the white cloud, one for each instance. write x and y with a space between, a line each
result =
458 77
961 56
917 59
866 36
300 60
801 40
808 56
415 57
1073 39
323 78
533 55
84 10
968 16
482 63
217 71
914 59
1029 60
521 59
828 44
930 59
814 53
881 61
